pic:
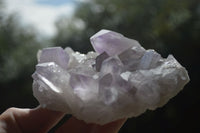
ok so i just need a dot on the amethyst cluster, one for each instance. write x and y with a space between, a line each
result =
120 80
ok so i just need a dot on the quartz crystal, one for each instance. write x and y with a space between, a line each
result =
120 80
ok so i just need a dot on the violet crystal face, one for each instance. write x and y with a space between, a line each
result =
119 80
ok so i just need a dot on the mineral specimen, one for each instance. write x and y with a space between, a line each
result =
120 80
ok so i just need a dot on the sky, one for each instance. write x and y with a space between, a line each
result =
42 14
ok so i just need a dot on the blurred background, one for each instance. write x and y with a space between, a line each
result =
168 26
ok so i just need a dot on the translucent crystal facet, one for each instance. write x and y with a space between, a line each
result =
111 42
120 80
55 54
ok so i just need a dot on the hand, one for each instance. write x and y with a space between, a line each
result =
39 120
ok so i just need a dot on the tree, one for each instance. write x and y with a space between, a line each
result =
18 48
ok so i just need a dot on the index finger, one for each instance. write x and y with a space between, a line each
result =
36 120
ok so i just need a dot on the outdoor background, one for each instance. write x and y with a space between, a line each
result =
168 26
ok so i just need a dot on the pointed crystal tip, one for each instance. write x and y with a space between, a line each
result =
111 42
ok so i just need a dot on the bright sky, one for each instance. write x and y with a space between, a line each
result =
41 13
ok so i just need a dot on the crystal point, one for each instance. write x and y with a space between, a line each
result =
111 42
100 59
54 54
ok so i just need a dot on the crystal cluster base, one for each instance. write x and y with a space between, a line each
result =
120 80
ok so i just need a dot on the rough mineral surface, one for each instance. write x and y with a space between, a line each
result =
120 80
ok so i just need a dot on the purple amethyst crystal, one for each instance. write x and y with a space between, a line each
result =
55 54
111 42
100 59
120 80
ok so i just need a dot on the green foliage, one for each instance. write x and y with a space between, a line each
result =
150 22
18 48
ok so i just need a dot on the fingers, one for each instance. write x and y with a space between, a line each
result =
8 123
77 126
37 120
41 120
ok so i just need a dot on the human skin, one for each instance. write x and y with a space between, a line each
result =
39 120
